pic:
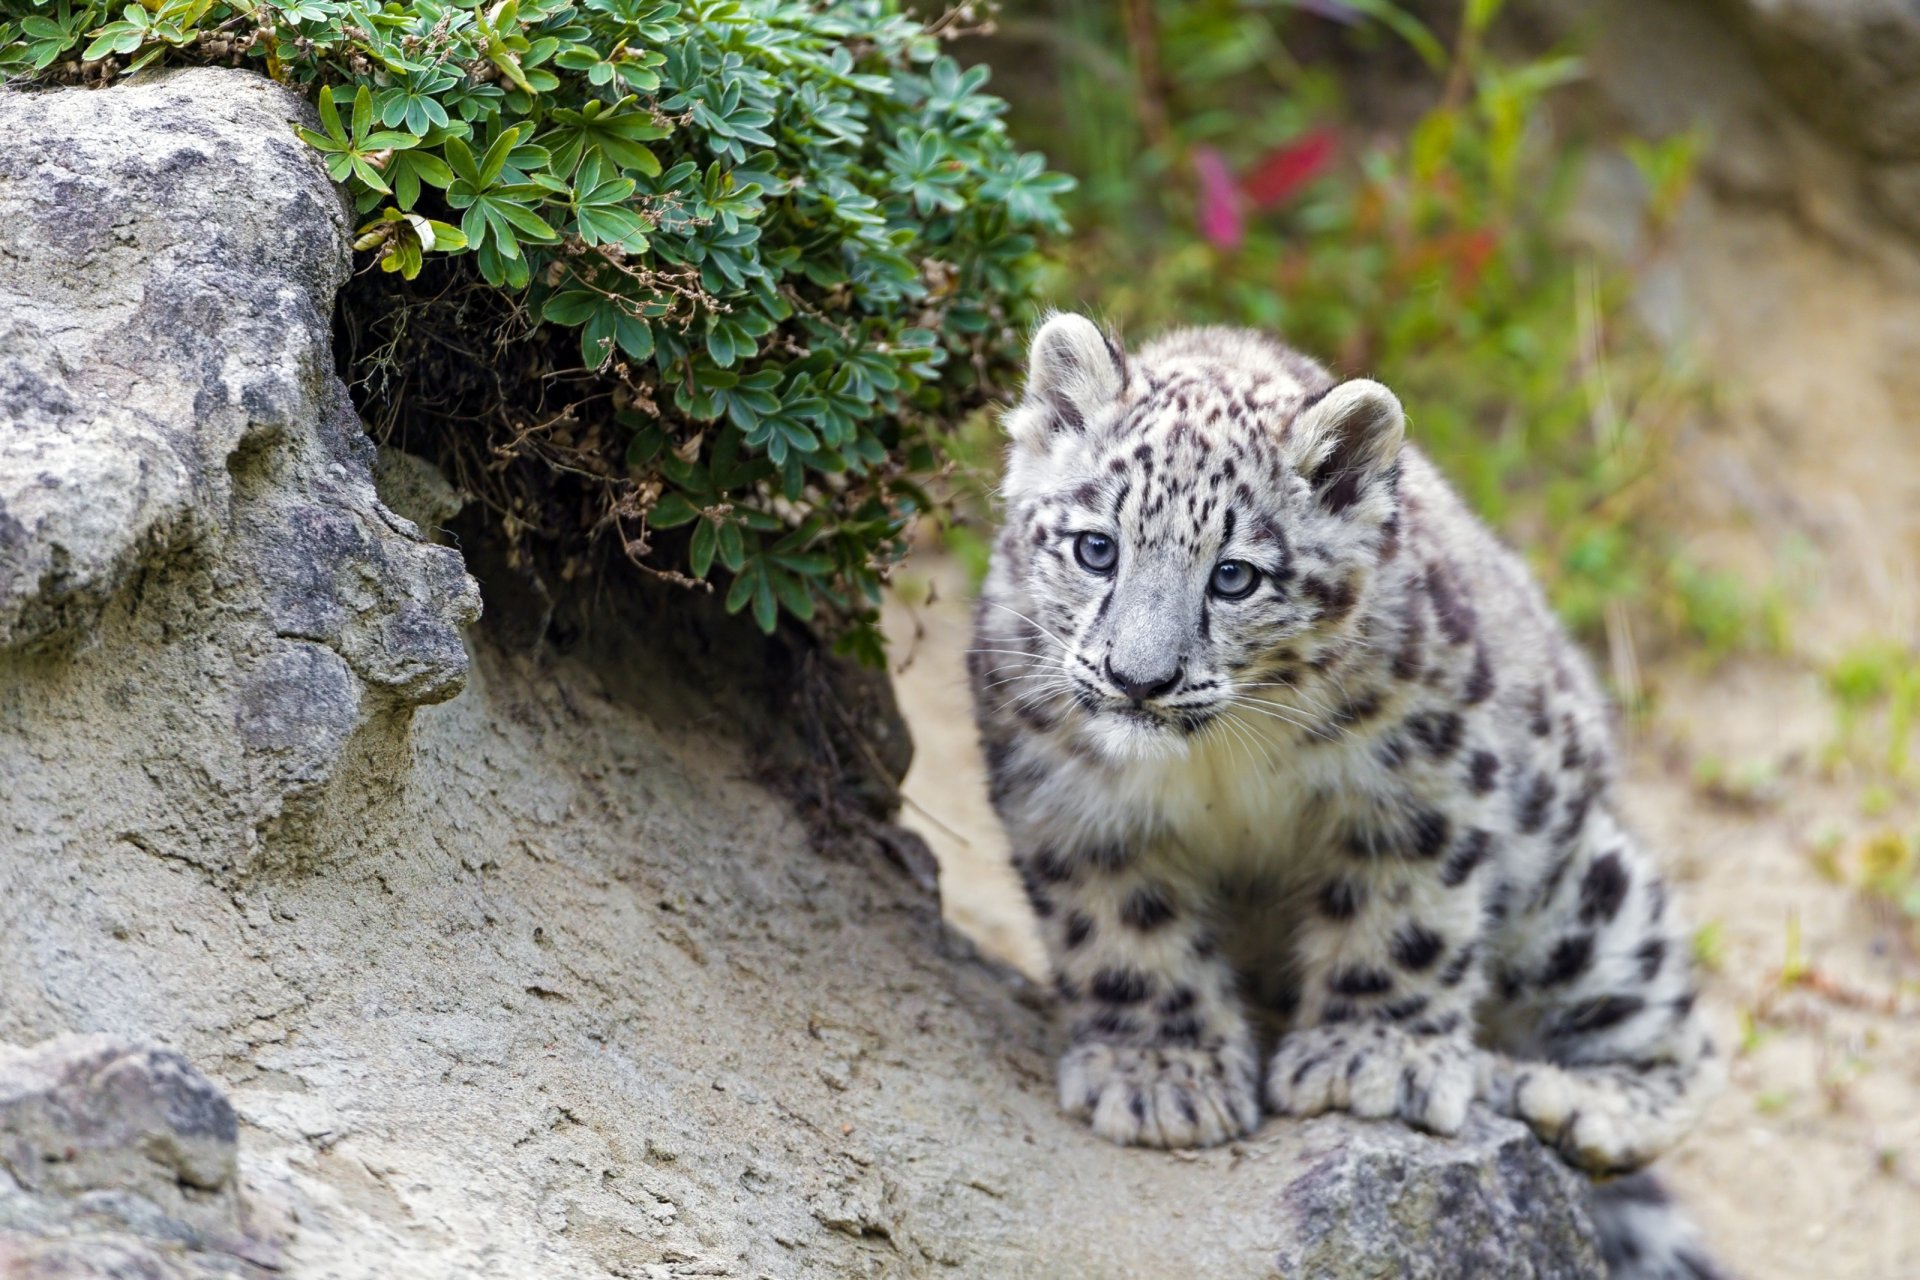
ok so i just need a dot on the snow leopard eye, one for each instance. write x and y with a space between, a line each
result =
1234 579
1096 552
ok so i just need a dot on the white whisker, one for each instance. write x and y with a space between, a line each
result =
1064 646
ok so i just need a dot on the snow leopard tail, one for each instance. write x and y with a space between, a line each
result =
1644 1235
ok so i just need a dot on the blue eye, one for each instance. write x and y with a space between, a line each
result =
1096 552
1234 579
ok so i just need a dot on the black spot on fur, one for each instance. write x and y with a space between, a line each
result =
1336 600
1392 751
1405 1009
1571 957
1340 899
1457 967
1148 907
1079 929
1360 980
1578 805
1572 754
1120 986
1597 1014
1415 947
1651 954
1179 1000
1479 686
1444 1025
1413 634
1361 707
1184 1029
1603 889
1036 895
1450 609
1537 720
1472 849
1438 731
1482 770
1530 814
1423 835
1113 1022
1037 717
1048 868
1429 830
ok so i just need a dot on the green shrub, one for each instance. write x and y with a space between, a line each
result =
785 241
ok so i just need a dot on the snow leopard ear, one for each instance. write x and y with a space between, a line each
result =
1347 438
1073 372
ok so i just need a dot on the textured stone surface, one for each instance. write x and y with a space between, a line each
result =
169 415
544 980
117 1158
82 1113
1852 68
1848 64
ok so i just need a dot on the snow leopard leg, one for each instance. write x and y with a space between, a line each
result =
1608 997
1644 1235
1390 973
1161 1055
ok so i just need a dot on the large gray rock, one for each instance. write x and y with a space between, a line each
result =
118 1159
1848 64
169 420
541 981
1852 67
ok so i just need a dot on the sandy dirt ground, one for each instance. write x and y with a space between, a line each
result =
1810 1164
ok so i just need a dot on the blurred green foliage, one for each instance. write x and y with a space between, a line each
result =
780 242
1875 684
1396 203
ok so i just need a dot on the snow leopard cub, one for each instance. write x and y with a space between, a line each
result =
1291 750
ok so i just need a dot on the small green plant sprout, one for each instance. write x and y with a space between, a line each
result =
1875 685
1890 880
1710 946
1825 855
402 240
1754 785
1667 169
1794 966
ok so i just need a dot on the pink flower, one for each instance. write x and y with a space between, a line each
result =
1284 170
1220 216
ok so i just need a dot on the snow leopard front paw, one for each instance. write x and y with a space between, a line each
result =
1173 1096
1374 1071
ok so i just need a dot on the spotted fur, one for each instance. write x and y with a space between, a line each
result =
1358 820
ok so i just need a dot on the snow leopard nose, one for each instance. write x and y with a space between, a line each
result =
1142 689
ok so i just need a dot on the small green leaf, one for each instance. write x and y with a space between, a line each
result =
765 611
671 511
700 551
